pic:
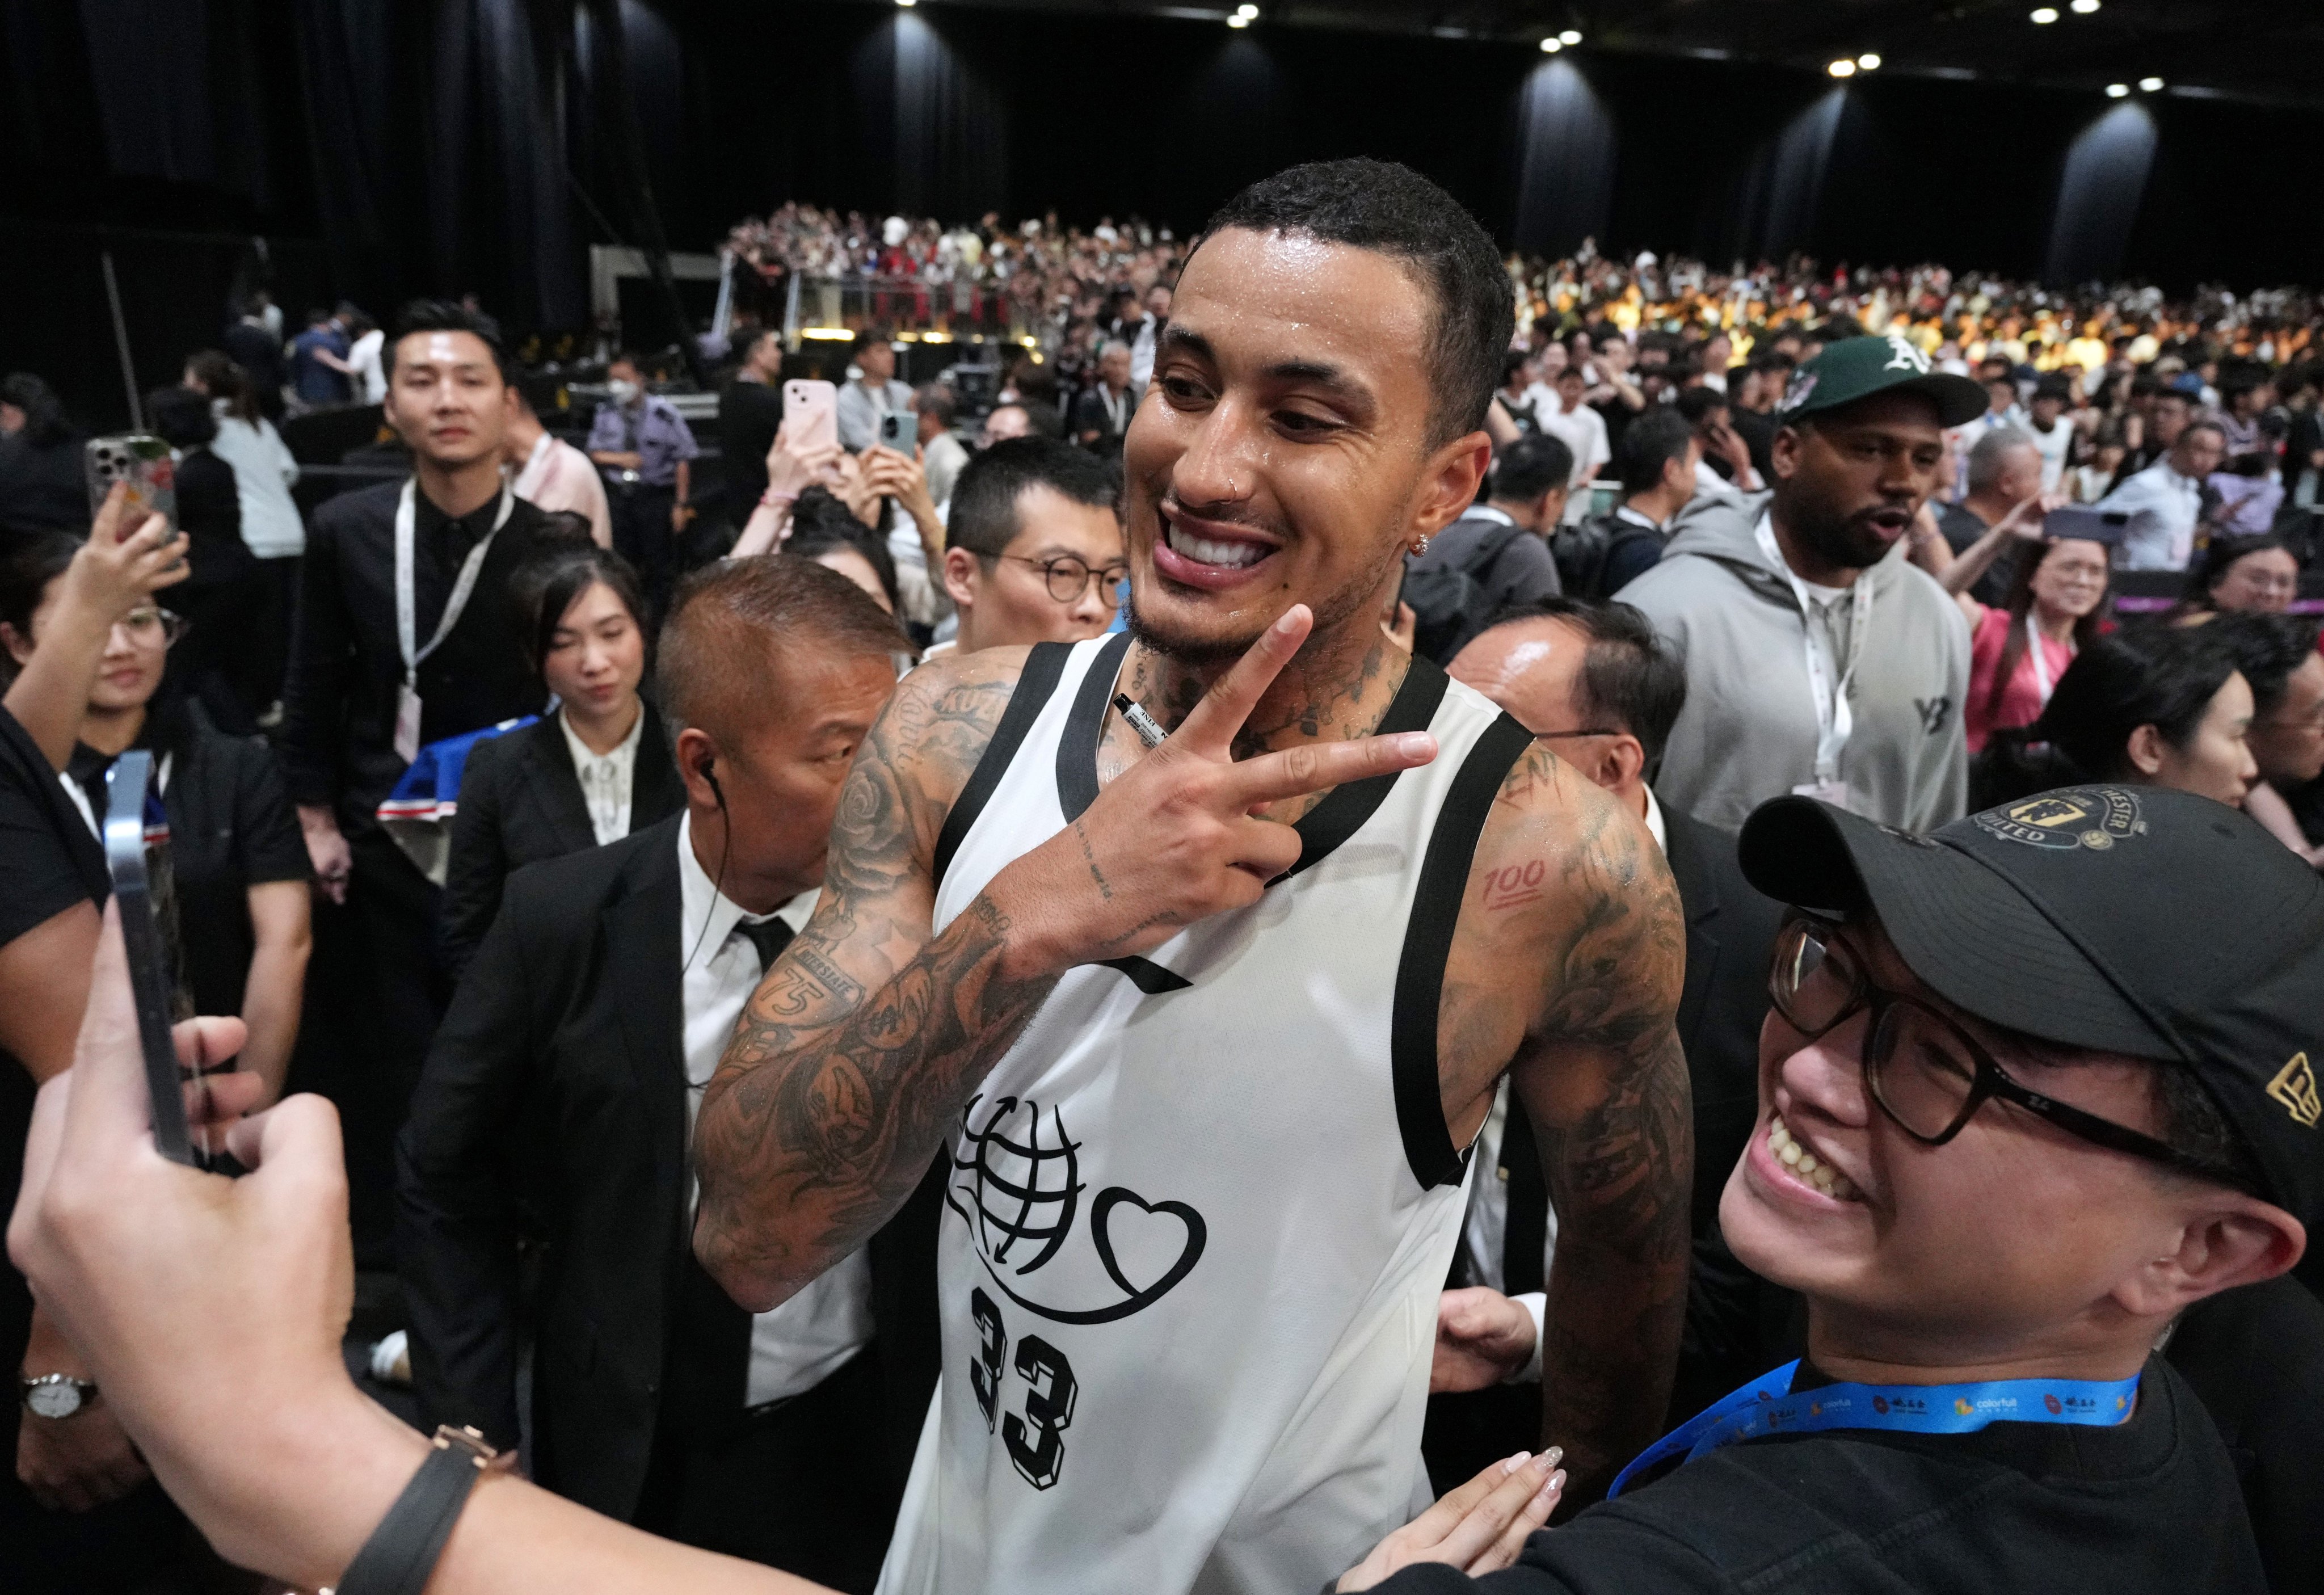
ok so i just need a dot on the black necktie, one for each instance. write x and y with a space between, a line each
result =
769 935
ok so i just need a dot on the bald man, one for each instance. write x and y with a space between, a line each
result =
1602 687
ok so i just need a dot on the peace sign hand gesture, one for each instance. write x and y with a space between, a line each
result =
1179 836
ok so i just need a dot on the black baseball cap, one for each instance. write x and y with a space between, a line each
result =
1858 367
2134 920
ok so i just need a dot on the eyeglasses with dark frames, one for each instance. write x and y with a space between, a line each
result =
1068 579
1929 1076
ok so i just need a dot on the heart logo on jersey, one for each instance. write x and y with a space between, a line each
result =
1160 1229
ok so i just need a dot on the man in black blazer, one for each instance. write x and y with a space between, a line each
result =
521 802
1597 683
561 1094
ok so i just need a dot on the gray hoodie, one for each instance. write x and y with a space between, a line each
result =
1748 731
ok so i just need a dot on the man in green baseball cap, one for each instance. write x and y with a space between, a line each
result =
1820 660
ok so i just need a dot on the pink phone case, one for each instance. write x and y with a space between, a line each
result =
812 408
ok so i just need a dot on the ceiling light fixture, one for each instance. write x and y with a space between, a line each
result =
2150 83
2084 7
1238 21
1246 10
2043 15
1570 36
1868 61
1551 46
2117 91
1842 68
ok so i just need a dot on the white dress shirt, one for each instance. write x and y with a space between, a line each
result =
606 779
808 1339
2164 507
1483 1231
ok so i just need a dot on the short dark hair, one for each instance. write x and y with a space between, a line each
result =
720 666
936 399
1697 404
1648 443
181 416
2268 648
820 523
545 585
447 315
2219 556
1632 678
984 519
871 336
1379 205
1530 467
37 558
44 412
218 373
1568 370
2153 675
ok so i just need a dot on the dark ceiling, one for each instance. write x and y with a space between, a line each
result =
2255 50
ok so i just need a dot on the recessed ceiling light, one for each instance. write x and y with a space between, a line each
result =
1246 10
1842 68
1570 36
2084 7
2150 83
2045 14
1869 60
1550 47
1238 21
2117 91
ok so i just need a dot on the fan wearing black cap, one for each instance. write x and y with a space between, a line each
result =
2032 1087
1819 660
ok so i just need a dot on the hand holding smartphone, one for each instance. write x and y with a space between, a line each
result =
140 936
811 410
143 467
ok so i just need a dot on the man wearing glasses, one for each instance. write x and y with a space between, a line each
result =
1033 547
2032 1087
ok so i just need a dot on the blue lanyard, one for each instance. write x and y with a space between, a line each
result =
1766 1407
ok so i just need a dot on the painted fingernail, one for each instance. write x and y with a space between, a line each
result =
1556 1453
1515 1462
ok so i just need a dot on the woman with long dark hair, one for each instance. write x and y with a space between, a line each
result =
2020 648
2161 706
41 484
263 474
593 769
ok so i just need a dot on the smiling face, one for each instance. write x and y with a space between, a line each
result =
2266 580
1848 481
2007 1232
1288 452
2071 578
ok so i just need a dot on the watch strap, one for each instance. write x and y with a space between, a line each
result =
402 1552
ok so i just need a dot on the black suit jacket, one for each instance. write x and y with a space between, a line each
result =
521 802
557 1087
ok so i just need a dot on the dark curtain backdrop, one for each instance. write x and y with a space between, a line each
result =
388 148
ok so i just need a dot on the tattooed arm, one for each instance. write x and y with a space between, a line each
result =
868 1034
1591 1037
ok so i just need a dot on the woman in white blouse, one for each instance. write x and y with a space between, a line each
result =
593 769
263 474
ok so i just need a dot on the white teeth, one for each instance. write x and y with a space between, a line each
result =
1205 551
1810 1170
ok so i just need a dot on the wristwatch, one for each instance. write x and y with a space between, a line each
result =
56 1395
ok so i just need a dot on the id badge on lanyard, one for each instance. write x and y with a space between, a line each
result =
1829 678
407 518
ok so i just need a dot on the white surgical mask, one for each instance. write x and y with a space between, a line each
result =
623 393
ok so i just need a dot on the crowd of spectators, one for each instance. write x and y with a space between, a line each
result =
547 736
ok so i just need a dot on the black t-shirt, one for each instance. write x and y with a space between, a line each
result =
749 415
2147 1507
1961 527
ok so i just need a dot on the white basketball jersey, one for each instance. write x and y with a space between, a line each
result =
1199 1214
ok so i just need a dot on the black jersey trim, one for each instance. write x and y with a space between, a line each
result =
1077 749
1034 685
1147 976
1346 808
1428 1146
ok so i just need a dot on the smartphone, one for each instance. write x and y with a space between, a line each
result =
143 462
2082 523
812 408
900 429
140 935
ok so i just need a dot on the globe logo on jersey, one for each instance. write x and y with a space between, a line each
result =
1015 1180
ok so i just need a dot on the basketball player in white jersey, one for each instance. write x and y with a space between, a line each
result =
1199 1030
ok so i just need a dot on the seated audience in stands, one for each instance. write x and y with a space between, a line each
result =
1602 686
2055 605
1035 549
78 1508
2240 573
2156 705
42 485
263 474
2276 654
593 1014
237 861
593 770
1659 468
